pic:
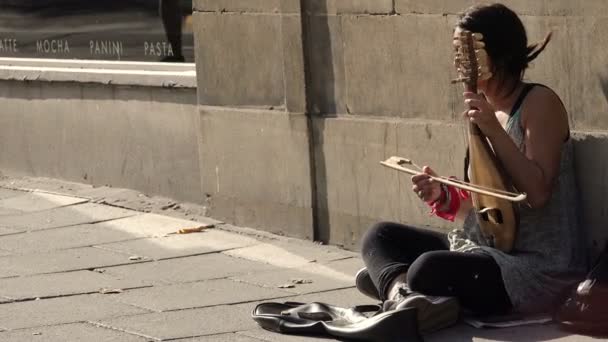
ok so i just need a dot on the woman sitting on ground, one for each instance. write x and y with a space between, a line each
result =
527 126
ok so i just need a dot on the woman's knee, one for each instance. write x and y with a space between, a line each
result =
425 271
375 236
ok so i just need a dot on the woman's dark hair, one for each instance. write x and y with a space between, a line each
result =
505 38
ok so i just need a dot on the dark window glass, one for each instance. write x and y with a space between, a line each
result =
132 30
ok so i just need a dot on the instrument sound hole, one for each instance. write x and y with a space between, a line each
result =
493 215
498 216
484 214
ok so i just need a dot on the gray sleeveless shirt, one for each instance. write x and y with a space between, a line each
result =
549 252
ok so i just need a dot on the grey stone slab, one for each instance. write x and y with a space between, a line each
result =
197 295
8 231
51 185
7 273
351 180
220 338
62 238
187 323
275 193
245 67
333 7
349 266
8 193
541 8
62 284
149 225
412 54
63 310
265 6
60 261
65 216
201 267
315 278
327 88
172 246
268 336
95 125
372 70
5 212
69 332
102 192
466 333
293 61
37 201
290 253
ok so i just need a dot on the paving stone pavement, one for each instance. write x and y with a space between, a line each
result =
79 263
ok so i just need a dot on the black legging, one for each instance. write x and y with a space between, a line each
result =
389 249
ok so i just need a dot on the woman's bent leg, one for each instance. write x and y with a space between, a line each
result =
474 278
388 249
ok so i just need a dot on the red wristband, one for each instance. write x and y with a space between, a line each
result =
451 196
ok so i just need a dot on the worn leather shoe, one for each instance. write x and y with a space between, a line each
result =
364 284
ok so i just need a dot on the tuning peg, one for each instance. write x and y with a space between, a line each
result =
479 45
477 36
481 54
482 62
460 79
462 59
485 76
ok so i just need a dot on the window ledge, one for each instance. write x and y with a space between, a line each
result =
166 75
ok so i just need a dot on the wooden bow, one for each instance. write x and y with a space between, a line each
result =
398 163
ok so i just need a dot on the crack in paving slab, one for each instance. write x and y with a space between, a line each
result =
251 301
29 299
70 309
211 337
105 247
78 331
70 259
7 231
76 214
28 244
110 327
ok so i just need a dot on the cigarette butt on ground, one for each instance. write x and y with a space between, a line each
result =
191 230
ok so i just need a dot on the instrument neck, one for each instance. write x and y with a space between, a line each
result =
473 128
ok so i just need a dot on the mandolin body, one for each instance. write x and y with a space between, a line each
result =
497 218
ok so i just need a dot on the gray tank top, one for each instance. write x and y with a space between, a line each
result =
549 252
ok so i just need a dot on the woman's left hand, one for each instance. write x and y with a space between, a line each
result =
482 114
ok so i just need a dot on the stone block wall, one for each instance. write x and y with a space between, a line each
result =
312 94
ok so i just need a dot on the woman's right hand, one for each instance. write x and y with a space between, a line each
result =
424 187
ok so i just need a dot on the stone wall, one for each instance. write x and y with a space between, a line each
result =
137 137
300 100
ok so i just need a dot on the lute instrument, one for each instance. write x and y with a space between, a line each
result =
497 218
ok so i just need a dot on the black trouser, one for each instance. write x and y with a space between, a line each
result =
390 249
